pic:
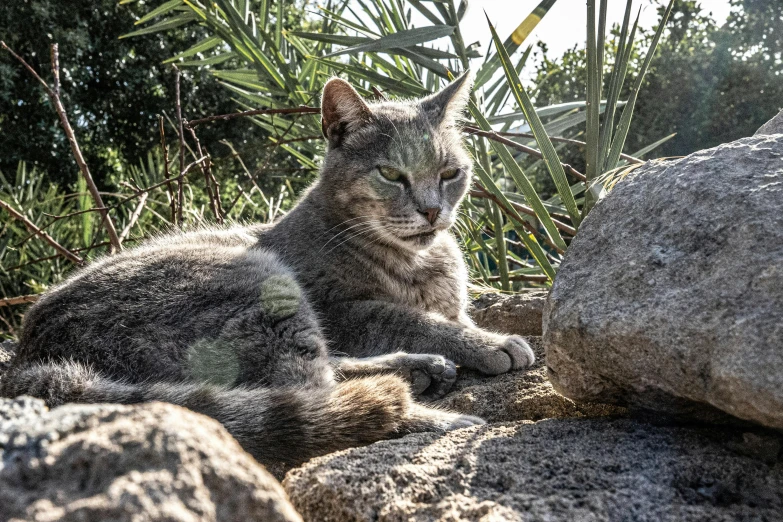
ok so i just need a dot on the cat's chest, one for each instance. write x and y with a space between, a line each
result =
435 285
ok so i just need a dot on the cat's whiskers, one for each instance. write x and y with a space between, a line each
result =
346 230
384 232
369 216
364 231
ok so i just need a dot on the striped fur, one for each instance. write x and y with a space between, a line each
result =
239 323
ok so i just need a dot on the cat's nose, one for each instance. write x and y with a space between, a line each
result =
431 214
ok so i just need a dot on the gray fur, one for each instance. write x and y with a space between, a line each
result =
238 323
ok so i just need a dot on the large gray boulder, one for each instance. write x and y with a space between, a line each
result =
153 462
773 126
553 470
671 295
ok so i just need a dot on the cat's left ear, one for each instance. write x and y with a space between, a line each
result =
446 105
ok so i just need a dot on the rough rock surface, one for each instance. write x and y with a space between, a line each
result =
773 126
150 462
518 314
7 354
557 469
671 296
521 395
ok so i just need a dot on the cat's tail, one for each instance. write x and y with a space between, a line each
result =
278 426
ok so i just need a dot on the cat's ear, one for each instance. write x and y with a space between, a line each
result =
448 104
342 110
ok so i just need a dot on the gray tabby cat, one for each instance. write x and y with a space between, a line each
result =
238 323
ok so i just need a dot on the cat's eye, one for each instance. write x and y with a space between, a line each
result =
449 174
390 173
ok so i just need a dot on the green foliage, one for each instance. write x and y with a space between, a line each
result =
378 48
514 230
709 84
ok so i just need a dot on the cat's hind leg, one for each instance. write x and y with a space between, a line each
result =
431 376
273 340
280 426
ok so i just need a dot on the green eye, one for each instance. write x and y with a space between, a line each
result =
390 173
449 174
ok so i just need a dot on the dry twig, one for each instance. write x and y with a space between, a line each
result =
166 173
523 148
529 278
134 216
482 193
524 223
558 139
378 94
212 185
467 129
22 299
38 232
181 132
75 251
54 96
255 112
139 192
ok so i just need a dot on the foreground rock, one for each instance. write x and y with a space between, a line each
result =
151 462
575 469
521 395
7 354
671 296
518 314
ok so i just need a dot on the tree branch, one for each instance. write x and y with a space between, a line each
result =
528 278
134 216
524 223
523 148
38 232
212 185
224 117
181 178
498 137
558 139
167 174
481 192
54 96
22 299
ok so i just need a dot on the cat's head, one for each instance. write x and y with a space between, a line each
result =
395 168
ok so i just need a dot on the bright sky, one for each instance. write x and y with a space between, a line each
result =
565 23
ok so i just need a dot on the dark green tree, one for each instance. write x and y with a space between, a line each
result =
113 88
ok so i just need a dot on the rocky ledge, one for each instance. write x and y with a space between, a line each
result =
517 314
522 395
555 470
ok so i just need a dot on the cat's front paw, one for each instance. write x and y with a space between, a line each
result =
508 353
431 376
519 351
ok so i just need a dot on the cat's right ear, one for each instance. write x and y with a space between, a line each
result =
342 110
